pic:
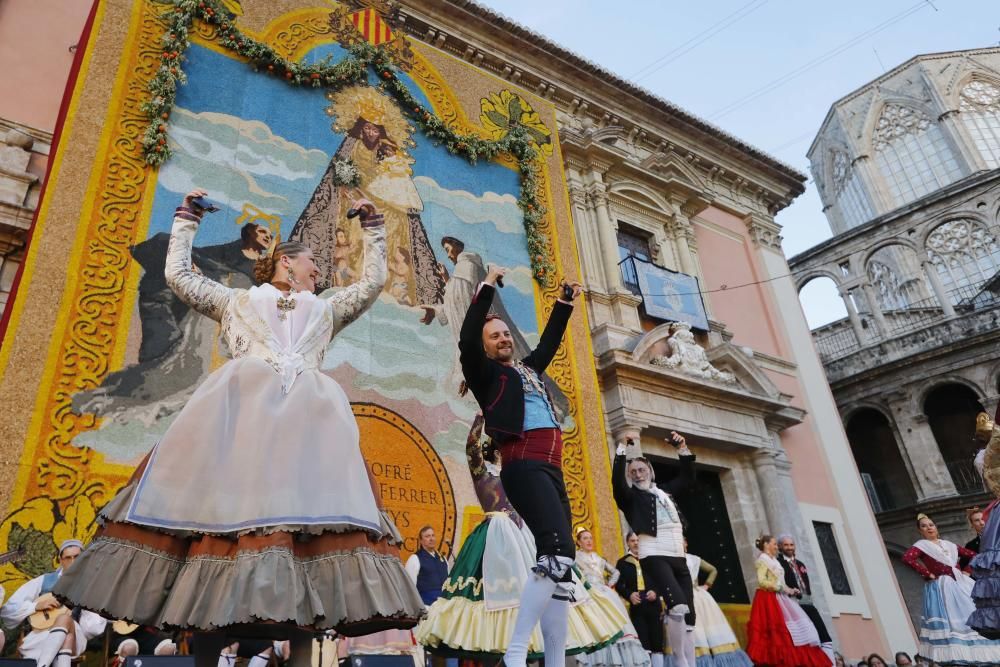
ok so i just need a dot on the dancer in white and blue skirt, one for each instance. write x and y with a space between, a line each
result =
945 636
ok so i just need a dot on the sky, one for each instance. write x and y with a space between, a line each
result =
734 63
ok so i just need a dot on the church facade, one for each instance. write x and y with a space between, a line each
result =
907 168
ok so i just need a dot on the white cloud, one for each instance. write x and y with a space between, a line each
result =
248 144
235 156
401 359
499 210
520 279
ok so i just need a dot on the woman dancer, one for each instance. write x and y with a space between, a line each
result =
599 573
986 565
715 643
258 488
945 637
479 600
779 632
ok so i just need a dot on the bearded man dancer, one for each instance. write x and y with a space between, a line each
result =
520 419
652 514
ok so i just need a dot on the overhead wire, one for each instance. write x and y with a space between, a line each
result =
698 39
815 62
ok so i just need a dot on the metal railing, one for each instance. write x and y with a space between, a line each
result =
965 477
838 339
630 277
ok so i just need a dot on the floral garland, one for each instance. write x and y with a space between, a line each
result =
519 141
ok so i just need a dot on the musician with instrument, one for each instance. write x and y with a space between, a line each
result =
58 634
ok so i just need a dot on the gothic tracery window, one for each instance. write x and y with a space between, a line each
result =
965 253
887 286
848 191
912 154
979 104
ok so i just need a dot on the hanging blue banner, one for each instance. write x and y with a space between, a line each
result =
669 295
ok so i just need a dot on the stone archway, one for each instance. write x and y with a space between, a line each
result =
951 411
876 453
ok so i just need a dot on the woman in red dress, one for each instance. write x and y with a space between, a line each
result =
779 633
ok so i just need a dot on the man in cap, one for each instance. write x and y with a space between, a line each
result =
71 630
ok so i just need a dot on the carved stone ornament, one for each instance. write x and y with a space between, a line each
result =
688 357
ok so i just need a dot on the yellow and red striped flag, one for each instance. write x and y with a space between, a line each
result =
371 26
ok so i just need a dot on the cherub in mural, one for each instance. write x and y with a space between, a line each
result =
343 274
376 141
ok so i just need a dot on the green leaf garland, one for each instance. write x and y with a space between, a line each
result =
518 141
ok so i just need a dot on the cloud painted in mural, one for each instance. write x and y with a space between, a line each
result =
237 155
499 210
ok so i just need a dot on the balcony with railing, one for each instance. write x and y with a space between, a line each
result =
905 330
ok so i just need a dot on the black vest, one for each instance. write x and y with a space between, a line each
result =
433 572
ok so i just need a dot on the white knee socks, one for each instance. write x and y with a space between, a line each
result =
259 660
63 659
50 647
676 636
689 645
555 625
536 597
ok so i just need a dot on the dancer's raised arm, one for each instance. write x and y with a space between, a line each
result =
350 302
201 293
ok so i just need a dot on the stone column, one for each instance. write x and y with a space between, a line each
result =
682 232
852 315
774 476
872 299
920 450
590 247
932 277
607 231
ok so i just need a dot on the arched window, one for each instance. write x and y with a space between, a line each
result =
979 103
894 273
965 254
912 154
847 190
887 286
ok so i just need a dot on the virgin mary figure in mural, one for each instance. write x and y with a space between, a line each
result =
371 162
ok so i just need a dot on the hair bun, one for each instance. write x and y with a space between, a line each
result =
762 541
263 269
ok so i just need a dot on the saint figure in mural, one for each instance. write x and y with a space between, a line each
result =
258 487
371 162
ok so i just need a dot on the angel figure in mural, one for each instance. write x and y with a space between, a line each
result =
371 162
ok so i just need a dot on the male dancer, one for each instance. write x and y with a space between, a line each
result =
652 514
69 635
645 608
520 419
797 578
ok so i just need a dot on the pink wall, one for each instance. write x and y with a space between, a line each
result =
752 316
725 261
810 475
35 36
857 638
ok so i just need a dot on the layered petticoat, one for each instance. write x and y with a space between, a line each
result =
715 644
986 570
474 617
777 637
310 576
945 637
